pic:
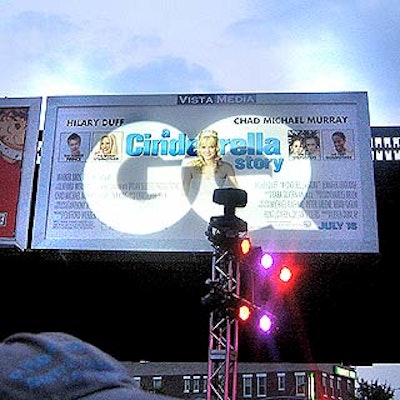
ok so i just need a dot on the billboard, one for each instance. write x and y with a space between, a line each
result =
19 131
138 172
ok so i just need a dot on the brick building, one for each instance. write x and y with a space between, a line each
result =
269 381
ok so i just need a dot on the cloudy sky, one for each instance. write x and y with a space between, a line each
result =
89 47
86 47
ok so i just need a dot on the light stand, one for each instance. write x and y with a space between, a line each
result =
225 232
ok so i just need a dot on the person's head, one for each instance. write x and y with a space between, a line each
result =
55 365
108 144
74 143
208 146
339 141
296 146
312 144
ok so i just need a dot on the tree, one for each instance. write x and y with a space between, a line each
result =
367 390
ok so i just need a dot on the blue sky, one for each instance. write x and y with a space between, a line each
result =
154 46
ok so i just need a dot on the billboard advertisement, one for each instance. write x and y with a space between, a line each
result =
138 172
19 131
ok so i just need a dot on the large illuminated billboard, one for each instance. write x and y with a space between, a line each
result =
138 172
19 132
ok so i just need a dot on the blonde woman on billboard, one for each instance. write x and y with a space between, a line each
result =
207 171
108 147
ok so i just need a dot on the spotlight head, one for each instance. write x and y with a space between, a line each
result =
230 198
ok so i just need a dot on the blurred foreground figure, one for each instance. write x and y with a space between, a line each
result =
58 366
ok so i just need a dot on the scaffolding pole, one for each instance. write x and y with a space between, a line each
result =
225 233
223 333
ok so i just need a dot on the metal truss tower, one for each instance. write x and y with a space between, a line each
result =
223 333
225 233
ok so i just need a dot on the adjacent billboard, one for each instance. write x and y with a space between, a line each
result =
19 132
138 172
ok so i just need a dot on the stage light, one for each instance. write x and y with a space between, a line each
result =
245 246
214 299
285 274
265 323
266 261
244 312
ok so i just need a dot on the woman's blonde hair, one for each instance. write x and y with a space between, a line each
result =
113 143
205 137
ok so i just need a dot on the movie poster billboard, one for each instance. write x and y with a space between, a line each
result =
138 172
19 132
